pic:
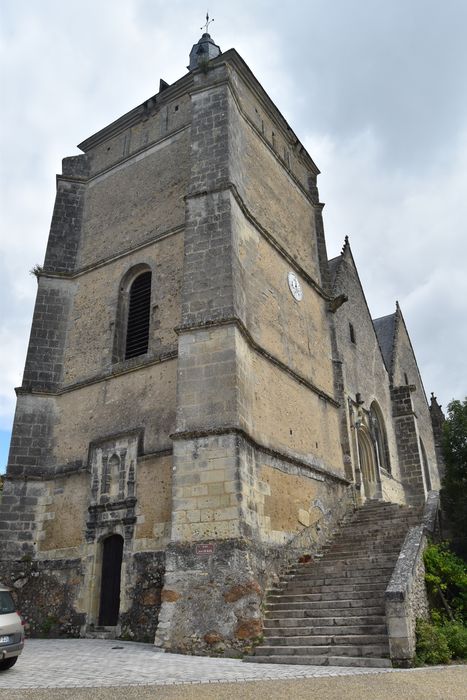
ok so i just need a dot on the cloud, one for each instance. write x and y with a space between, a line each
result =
375 90
407 233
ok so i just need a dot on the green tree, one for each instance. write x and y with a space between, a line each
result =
454 483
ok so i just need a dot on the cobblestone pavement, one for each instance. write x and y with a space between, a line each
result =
81 663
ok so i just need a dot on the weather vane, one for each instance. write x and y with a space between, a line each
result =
208 22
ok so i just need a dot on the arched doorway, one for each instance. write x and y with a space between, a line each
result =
368 468
112 552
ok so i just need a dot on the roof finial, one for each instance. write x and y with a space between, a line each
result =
208 22
205 50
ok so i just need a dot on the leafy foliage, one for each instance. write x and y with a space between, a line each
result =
446 579
454 483
445 636
439 641
456 637
432 646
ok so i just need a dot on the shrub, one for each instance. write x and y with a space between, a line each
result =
456 637
432 645
446 579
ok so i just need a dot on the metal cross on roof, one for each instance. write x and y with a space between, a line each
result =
208 22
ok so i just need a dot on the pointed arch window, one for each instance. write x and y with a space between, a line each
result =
426 468
378 433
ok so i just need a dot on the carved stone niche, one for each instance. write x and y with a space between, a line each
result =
113 465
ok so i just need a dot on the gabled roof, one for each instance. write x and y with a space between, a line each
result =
335 263
384 332
385 328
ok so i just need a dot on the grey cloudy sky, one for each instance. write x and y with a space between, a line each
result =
376 90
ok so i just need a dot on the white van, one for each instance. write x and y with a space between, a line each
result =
11 631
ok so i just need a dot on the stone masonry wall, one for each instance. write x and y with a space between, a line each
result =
44 360
358 357
296 333
406 598
408 444
135 201
31 440
94 318
65 229
406 370
45 593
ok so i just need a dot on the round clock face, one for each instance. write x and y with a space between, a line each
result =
295 286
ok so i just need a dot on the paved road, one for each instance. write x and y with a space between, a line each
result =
113 670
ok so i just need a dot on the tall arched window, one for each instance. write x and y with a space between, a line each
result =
133 314
139 313
378 433
426 468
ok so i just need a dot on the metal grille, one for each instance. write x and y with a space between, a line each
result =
137 334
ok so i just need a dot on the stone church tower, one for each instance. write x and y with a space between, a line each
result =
187 422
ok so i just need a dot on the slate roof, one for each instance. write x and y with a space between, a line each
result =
333 265
385 329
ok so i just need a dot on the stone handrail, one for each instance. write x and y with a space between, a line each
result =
406 597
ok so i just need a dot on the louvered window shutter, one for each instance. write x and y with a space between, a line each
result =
137 334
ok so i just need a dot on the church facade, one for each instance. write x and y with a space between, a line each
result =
205 394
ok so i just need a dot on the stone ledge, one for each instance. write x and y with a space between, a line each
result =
320 473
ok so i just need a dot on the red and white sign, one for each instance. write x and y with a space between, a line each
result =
205 548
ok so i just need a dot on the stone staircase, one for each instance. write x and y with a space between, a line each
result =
101 632
331 610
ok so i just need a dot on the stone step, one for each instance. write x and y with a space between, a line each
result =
357 544
100 632
382 515
344 586
327 639
378 650
327 630
340 570
359 559
346 579
390 527
335 621
376 519
362 550
363 567
319 604
330 611
327 595
387 520
304 587
345 661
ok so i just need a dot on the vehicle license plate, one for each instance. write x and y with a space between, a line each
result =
4 639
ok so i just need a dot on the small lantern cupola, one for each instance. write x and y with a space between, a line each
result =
205 50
